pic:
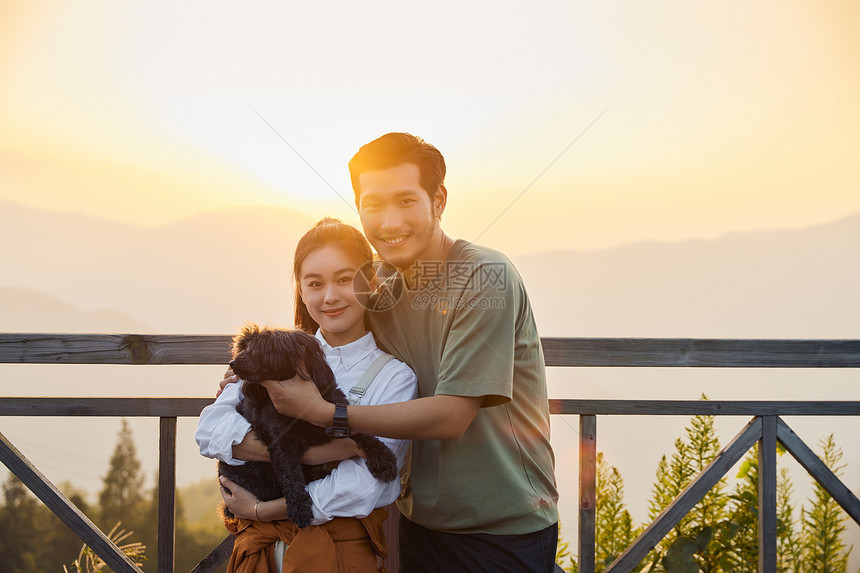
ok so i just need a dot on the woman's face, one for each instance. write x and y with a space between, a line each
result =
325 284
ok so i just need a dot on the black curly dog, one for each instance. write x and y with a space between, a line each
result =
277 354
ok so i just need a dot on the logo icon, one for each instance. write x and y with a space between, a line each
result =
377 285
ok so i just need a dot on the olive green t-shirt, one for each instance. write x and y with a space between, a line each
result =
466 328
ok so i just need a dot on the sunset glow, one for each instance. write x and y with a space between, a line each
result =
718 119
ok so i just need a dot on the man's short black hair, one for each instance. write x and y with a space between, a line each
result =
393 149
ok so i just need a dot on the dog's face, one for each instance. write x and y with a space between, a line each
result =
279 354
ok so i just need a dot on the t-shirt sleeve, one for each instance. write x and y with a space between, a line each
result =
478 355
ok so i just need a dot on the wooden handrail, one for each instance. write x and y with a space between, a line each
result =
37 348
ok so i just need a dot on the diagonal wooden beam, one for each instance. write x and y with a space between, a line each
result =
818 470
64 509
216 557
688 498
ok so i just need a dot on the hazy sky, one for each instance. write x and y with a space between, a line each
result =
716 117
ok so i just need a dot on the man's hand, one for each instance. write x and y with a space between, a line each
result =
300 398
229 378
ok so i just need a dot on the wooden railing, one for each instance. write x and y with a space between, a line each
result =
766 426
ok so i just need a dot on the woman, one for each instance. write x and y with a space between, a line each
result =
326 261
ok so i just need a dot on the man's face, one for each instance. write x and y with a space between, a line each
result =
398 217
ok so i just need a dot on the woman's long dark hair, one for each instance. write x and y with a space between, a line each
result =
327 232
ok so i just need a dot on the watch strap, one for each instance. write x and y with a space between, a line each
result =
339 427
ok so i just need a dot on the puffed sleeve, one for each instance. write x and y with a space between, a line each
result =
220 426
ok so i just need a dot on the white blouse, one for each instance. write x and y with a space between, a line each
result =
350 490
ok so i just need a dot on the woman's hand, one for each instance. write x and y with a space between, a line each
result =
229 378
334 451
238 500
241 502
300 398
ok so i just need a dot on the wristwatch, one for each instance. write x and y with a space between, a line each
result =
339 427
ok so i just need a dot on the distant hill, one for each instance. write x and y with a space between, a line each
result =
775 284
207 274
26 310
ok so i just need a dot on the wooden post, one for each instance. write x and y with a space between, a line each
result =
587 491
767 496
166 494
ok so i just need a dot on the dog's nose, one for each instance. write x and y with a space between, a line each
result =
231 364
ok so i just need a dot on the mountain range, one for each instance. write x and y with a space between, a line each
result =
211 273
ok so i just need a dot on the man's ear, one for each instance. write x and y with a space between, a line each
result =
440 200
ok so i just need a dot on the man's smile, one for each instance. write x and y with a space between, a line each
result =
395 240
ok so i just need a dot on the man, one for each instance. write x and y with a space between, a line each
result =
480 493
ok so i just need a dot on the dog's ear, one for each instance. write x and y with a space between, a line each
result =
317 366
256 395
240 341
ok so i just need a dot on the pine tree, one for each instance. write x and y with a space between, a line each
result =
562 554
741 554
788 542
824 523
614 526
19 528
121 498
693 543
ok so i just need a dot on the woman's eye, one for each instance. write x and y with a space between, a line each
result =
313 284
345 280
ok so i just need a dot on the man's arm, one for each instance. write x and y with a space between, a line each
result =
438 417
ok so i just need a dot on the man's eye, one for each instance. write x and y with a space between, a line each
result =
407 202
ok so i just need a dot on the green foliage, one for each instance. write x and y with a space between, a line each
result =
562 554
27 527
824 522
696 542
788 542
614 529
121 497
